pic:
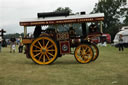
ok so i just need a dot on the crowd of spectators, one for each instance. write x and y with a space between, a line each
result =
12 42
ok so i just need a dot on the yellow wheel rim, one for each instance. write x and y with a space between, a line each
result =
43 50
83 53
96 51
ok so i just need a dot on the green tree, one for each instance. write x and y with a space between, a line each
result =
111 9
126 16
16 35
60 9
126 20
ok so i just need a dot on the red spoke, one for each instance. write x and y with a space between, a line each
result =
36 50
43 42
47 44
50 46
40 57
50 54
87 49
83 57
47 56
37 54
88 52
51 50
43 58
36 46
40 44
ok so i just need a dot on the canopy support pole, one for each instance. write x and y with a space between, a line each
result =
25 31
101 28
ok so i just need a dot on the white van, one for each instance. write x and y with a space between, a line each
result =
124 28
124 33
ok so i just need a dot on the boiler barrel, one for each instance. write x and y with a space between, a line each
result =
52 14
76 41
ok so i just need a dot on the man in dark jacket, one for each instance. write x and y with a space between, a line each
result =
37 31
121 48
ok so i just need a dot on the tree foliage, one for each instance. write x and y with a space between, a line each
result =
126 17
60 27
113 14
61 9
16 35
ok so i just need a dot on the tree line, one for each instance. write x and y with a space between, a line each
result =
116 15
16 35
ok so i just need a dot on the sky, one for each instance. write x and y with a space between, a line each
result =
13 11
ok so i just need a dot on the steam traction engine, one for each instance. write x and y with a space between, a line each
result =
50 44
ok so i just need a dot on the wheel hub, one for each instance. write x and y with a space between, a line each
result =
83 52
43 50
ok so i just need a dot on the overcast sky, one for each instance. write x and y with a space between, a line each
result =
12 11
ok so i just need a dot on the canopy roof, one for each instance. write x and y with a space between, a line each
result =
63 19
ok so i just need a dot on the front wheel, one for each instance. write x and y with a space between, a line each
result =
83 53
43 50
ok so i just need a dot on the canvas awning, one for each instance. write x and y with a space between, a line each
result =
63 19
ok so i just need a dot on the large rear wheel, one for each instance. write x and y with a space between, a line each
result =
95 50
43 50
83 53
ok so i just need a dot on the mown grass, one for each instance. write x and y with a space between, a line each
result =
111 68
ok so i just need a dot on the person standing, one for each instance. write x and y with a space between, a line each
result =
20 45
37 31
12 44
121 48
0 43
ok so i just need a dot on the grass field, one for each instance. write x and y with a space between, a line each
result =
111 68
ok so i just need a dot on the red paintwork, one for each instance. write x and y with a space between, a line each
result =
97 39
65 44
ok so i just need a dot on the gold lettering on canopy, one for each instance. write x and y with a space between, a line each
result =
66 21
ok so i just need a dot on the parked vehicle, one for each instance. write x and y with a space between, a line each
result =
49 44
124 33
104 37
